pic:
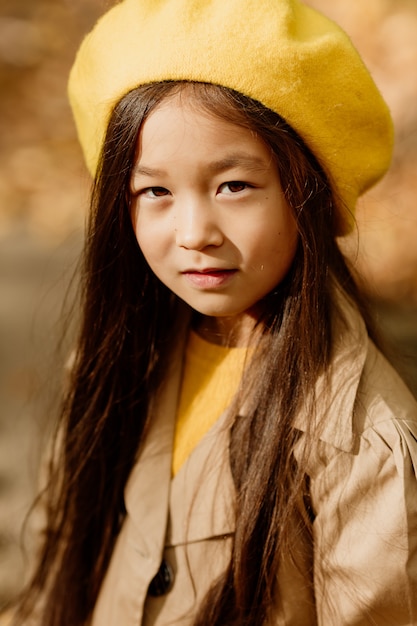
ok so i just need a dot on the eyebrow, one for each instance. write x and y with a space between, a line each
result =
238 160
229 162
142 170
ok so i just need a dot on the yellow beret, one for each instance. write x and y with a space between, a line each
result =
282 53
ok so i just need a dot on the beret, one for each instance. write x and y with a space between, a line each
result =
284 54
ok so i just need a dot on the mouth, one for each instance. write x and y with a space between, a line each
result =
209 278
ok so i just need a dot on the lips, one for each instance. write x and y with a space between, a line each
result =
210 278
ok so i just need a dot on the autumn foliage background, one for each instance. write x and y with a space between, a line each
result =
43 200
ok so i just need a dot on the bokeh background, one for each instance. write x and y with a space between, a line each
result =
43 197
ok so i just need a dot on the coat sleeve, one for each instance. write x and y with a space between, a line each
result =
365 528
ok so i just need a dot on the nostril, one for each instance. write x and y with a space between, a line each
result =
198 236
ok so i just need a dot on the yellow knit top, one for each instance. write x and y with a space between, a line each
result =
211 377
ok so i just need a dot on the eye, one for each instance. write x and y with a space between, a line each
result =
233 186
154 192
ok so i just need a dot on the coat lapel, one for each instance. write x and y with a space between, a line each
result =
202 497
139 547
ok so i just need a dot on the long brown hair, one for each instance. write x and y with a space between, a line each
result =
124 342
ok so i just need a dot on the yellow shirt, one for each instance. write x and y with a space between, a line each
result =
211 378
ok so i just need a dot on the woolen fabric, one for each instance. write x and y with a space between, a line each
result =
282 53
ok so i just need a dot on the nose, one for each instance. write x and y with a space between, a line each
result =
196 226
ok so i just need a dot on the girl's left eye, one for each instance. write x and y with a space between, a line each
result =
233 186
154 192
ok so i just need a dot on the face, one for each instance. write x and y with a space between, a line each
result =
208 210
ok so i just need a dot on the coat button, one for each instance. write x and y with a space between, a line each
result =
162 582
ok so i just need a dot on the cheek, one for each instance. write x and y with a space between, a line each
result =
154 242
278 250
142 236
142 229
288 241
146 244
276 239
134 218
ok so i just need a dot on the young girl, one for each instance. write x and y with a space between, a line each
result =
233 448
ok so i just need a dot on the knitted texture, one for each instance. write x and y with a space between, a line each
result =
282 53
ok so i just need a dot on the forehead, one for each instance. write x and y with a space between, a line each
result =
179 124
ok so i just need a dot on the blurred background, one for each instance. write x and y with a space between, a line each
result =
43 198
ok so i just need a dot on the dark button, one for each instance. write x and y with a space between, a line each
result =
162 582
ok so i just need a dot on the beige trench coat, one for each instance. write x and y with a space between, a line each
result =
360 568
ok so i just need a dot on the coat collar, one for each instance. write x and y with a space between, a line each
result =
336 394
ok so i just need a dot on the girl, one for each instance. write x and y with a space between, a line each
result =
233 448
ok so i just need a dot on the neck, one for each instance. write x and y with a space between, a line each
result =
234 332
